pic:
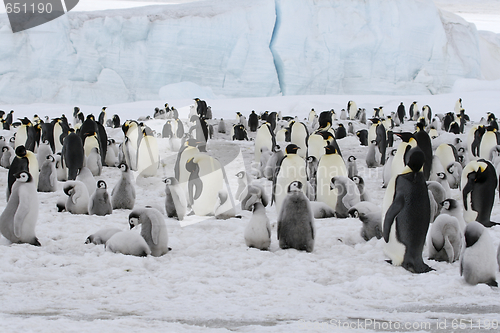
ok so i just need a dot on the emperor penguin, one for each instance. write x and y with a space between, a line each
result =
62 172
254 193
347 195
398 162
296 221
424 143
221 128
445 242
93 162
101 236
102 116
128 243
330 165
272 162
352 169
265 156
111 154
352 109
78 197
360 183
387 171
47 181
148 156
153 229
264 138
299 136
73 155
253 121
86 177
100 203
44 150
478 263
363 137
242 184
291 168
23 134
123 194
372 156
478 184
458 106
343 114
311 117
401 113
131 143
18 220
406 221
370 215
205 181
187 151
8 155
350 128
25 160
175 199
413 111
453 208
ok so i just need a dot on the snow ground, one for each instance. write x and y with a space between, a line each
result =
210 281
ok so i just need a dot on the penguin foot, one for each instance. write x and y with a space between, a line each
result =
36 242
191 213
239 216
389 261
418 269
170 249
492 283
490 224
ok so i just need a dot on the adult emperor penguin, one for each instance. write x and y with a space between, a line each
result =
47 181
445 242
479 181
299 136
352 109
347 195
401 113
78 197
131 142
330 165
258 230
478 263
398 162
123 194
291 168
413 111
264 138
205 181
153 229
102 116
73 155
424 143
489 141
175 199
370 215
25 160
18 220
100 203
148 156
296 221
407 219
253 121
363 137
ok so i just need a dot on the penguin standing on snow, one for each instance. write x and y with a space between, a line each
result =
253 121
47 181
100 203
401 113
352 169
258 230
296 221
175 199
123 194
479 181
78 197
25 160
18 220
73 155
153 229
478 264
408 217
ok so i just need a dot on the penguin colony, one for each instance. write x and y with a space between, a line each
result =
439 173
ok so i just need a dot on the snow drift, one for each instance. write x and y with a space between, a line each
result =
238 48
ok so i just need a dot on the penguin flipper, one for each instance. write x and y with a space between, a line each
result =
22 211
396 206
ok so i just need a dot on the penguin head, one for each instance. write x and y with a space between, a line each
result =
4 149
13 138
69 189
123 167
310 159
449 204
292 148
473 232
405 136
23 176
351 158
295 186
353 212
104 108
102 184
330 150
50 158
277 148
21 151
415 159
171 181
133 219
240 174
442 175
25 121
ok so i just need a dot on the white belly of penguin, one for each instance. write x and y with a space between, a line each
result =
394 249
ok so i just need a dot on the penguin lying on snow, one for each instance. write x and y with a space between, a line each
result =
446 239
175 199
370 215
78 197
129 243
101 236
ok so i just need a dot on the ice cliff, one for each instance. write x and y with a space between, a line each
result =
240 48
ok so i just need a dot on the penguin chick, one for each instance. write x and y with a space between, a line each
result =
85 176
295 220
446 240
18 220
321 210
123 194
372 157
258 229
347 195
255 193
478 264
453 208
129 243
8 155
224 208
101 236
47 181
94 162
371 217
100 203
352 169
153 229
78 197
360 183
175 199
